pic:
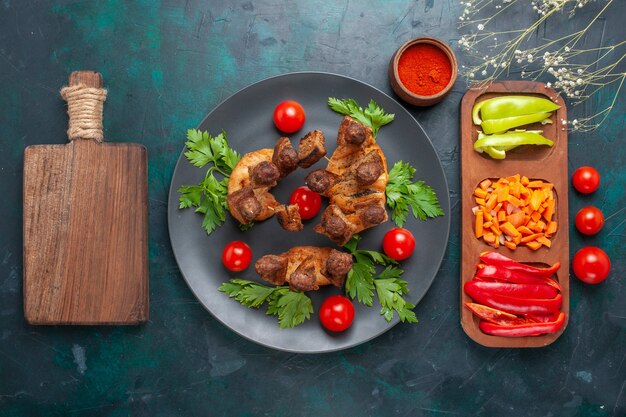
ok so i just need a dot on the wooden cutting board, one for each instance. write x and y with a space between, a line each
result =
535 162
85 230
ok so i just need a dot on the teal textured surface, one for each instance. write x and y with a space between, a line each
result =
167 64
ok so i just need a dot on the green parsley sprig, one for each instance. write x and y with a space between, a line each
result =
291 307
362 281
209 196
372 116
402 194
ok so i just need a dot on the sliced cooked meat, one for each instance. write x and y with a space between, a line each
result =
272 268
354 181
285 157
305 268
264 174
338 265
244 205
320 180
352 132
373 215
304 278
289 217
368 173
240 179
249 208
311 149
260 171
369 168
335 225
268 204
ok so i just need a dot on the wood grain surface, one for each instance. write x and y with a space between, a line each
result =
535 162
85 230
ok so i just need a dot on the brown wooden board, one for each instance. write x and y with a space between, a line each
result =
535 162
85 230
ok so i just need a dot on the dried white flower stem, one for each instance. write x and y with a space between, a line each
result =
559 58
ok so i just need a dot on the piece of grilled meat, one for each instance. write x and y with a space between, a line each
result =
311 149
263 174
289 217
354 181
285 157
249 198
305 268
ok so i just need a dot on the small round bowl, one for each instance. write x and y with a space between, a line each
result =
404 93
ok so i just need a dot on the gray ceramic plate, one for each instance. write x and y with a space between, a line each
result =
247 119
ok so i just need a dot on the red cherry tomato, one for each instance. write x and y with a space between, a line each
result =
591 265
289 116
586 180
398 243
336 313
309 202
589 220
237 256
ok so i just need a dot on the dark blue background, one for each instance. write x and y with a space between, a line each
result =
167 64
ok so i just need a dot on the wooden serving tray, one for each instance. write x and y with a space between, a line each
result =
535 162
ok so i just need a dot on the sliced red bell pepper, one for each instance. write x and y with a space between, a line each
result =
494 258
511 275
494 315
513 305
542 318
521 330
517 290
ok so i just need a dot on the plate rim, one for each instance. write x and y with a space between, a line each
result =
396 319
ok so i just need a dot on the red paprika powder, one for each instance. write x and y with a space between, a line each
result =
424 69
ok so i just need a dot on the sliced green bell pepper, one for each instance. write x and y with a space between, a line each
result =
496 145
494 152
506 123
514 138
510 106
476 112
